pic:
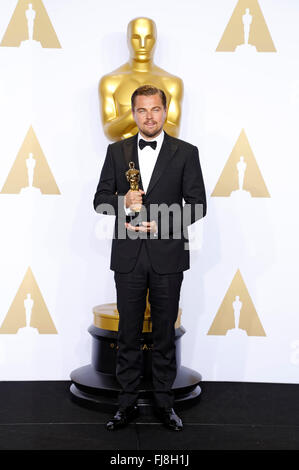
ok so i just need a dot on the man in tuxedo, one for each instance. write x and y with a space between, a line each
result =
150 251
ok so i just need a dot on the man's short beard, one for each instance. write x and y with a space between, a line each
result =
153 134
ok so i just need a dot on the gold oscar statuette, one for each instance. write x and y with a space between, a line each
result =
117 87
133 176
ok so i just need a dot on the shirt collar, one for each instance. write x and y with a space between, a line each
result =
158 139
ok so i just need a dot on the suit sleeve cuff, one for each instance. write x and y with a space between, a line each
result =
127 209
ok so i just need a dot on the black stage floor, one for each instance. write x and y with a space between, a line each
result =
228 416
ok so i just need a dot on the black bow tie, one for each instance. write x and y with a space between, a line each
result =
144 143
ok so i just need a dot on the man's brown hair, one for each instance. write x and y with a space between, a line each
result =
148 90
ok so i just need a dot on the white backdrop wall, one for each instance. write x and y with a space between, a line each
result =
51 244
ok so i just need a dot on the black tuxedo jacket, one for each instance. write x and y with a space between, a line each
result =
176 176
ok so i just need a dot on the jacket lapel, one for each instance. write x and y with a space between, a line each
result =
166 153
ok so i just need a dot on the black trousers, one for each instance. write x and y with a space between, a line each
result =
164 295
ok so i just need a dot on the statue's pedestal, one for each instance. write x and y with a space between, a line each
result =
30 44
246 49
237 333
95 385
240 194
31 191
28 332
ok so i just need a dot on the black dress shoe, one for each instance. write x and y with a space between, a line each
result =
170 419
122 418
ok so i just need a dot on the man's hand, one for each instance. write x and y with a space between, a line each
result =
133 198
145 227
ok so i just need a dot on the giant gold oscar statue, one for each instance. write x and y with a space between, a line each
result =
116 88
95 384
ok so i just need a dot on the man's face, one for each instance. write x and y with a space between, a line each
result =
149 115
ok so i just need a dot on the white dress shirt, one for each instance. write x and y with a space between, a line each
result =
147 158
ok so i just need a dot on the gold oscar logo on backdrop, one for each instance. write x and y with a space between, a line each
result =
28 313
30 172
30 26
241 176
246 30
237 315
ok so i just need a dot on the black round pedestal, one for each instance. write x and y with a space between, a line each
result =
95 385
